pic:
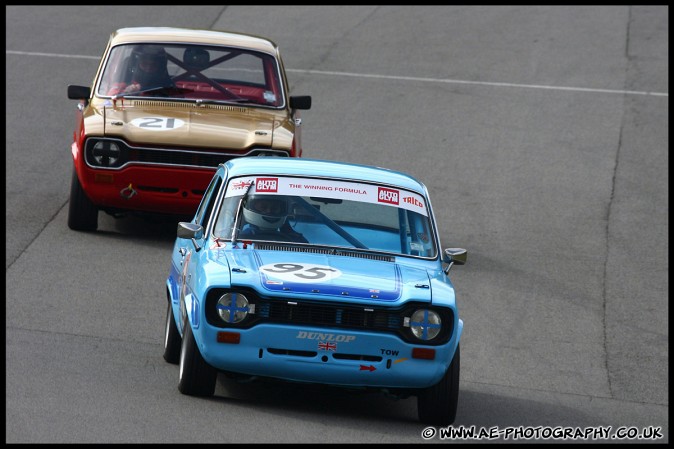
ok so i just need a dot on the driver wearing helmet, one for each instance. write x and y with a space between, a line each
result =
148 70
266 219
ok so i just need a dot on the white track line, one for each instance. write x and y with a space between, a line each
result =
406 78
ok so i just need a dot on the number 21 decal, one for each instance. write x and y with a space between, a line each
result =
295 272
157 123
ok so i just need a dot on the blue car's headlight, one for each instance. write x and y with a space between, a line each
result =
425 324
234 307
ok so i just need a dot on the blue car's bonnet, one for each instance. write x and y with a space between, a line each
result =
327 277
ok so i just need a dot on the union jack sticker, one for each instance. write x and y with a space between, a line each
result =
327 346
241 184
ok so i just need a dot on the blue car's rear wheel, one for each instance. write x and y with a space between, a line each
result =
437 404
171 338
197 378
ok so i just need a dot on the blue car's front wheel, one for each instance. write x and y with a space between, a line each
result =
197 378
437 404
171 338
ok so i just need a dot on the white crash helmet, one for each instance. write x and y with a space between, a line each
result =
266 211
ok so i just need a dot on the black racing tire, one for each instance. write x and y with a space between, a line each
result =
436 405
172 340
82 213
197 378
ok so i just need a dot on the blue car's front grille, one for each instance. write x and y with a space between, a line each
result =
329 315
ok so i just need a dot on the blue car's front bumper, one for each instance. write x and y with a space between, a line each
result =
330 356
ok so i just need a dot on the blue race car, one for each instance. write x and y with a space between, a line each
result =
318 272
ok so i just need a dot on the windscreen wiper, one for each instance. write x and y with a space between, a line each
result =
209 101
176 89
330 223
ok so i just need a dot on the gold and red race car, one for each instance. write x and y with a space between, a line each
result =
166 106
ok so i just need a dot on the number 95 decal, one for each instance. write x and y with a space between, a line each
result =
157 123
295 272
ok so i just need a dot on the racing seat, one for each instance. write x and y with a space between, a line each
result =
196 59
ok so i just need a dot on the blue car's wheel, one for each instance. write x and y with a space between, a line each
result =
437 404
197 378
171 338
82 213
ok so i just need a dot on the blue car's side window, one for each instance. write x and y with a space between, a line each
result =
207 202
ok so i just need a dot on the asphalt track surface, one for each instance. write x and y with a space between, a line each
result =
542 135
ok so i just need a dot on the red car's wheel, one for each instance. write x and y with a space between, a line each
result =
82 213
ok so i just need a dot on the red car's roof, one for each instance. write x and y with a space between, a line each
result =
182 35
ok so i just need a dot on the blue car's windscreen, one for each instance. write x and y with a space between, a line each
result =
328 213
